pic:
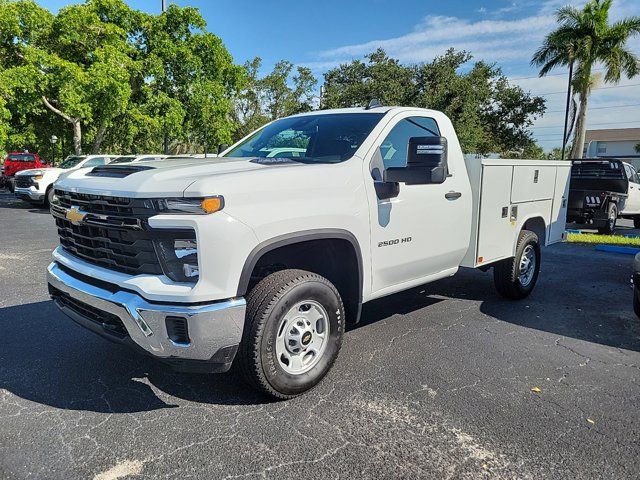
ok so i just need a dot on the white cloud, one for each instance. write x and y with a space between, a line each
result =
509 38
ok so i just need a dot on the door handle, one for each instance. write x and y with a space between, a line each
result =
452 195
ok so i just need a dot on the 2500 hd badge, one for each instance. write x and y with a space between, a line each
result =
396 241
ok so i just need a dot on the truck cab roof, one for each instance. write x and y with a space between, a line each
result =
380 109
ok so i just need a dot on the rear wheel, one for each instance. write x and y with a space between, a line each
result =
636 221
516 277
612 218
293 332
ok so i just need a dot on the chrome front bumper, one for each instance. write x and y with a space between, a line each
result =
28 194
214 330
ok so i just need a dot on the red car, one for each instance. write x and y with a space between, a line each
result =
17 161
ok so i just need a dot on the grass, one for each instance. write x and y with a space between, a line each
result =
603 239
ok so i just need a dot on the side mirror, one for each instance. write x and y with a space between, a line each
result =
426 163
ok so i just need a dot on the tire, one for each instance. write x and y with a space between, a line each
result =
612 218
636 222
48 197
10 185
273 333
513 279
636 301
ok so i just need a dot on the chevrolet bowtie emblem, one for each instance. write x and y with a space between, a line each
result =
75 216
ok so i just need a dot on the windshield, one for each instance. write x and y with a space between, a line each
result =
123 159
71 162
22 157
328 138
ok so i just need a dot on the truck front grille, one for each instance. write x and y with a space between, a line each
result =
24 181
127 251
114 232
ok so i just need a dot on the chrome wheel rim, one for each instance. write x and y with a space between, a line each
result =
303 335
527 265
612 219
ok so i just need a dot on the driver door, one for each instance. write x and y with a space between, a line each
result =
425 230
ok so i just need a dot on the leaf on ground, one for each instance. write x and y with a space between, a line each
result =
591 421
536 389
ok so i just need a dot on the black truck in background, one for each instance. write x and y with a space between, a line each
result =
601 191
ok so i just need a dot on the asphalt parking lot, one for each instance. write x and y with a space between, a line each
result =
435 382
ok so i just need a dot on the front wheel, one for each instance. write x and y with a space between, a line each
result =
612 218
292 334
516 277
49 197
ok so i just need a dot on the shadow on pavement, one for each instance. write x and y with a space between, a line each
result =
563 303
48 359
8 200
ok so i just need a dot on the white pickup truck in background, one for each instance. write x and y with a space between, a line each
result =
260 260
36 185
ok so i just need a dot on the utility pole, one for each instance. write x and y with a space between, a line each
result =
164 6
566 111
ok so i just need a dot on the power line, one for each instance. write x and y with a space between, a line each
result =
597 88
549 75
600 108
596 124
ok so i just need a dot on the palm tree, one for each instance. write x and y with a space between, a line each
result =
586 38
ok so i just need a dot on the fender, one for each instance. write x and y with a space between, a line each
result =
298 237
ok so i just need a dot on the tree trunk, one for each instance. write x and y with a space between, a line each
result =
76 122
577 148
77 136
99 137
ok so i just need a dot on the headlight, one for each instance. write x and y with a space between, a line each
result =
197 206
179 258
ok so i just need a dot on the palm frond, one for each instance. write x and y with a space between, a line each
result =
569 15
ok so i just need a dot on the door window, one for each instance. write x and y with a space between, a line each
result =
395 145
631 173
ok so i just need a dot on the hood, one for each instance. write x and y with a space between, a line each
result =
162 178
48 172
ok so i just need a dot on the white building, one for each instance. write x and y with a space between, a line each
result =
612 142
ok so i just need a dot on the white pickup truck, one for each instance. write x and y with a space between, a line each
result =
260 260
36 185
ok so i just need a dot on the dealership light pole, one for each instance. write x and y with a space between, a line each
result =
53 141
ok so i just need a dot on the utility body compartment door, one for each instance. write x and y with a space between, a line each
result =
531 183
558 224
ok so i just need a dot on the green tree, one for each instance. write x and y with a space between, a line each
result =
285 91
585 38
377 77
556 153
120 79
190 76
490 114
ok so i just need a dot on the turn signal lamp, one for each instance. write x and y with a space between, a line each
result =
212 204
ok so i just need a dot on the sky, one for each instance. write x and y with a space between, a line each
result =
322 34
